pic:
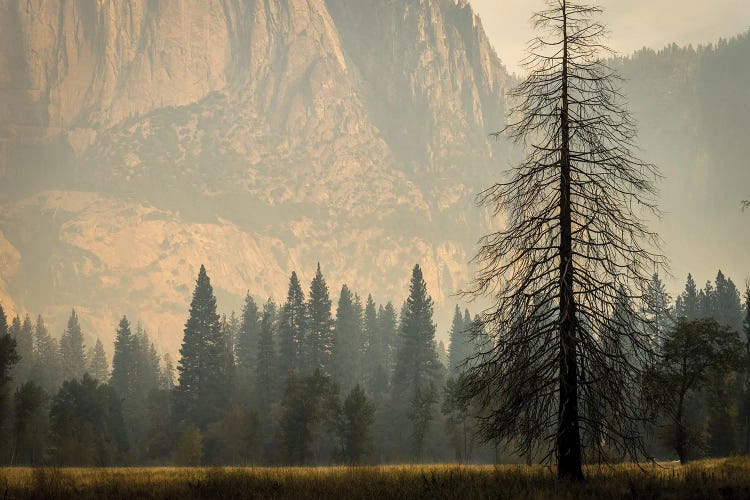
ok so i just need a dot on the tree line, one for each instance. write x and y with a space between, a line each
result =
297 383
293 383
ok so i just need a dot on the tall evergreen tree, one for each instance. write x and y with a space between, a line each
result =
265 362
47 368
292 323
417 371
688 306
248 338
460 348
8 358
3 322
23 333
706 301
346 354
72 349
123 361
318 344
98 364
388 329
376 350
656 308
727 305
167 382
202 393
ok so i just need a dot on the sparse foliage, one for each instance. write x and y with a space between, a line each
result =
574 239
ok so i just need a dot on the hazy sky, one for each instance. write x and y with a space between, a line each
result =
634 24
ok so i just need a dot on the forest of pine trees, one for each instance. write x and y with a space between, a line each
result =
303 382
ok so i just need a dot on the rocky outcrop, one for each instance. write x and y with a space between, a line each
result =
141 139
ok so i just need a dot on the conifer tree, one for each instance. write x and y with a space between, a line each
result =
14 329
98 364
23 333
167 374
318 344
3 322
417 371
292 323
376 350
47 367
72 349
202 393
265 362
460 348
388 329
8 358
656 307
687 306
346 354
442 354
573 235
706 301
123 361
727 305
248 337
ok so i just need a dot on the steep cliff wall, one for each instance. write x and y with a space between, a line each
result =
141 139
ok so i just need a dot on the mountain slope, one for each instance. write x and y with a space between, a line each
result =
140 140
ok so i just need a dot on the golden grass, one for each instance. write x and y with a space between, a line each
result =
726 478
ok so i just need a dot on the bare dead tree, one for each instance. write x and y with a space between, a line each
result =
559 374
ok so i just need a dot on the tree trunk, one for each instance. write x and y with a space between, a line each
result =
568 434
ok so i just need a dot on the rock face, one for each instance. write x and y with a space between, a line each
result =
141 139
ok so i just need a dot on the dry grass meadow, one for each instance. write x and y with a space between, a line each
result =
725 478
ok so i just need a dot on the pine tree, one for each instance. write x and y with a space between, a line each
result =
706 301
167 374
292 324
248 338
417 371
123 360
265 362
460 348
98 364
15 327
376 350
318 344
346 354
3 322
8 358
656 307
72 350
388 329
688 307
727 305
47 368
23 333
202 396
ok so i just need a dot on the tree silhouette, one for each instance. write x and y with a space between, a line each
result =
574 242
